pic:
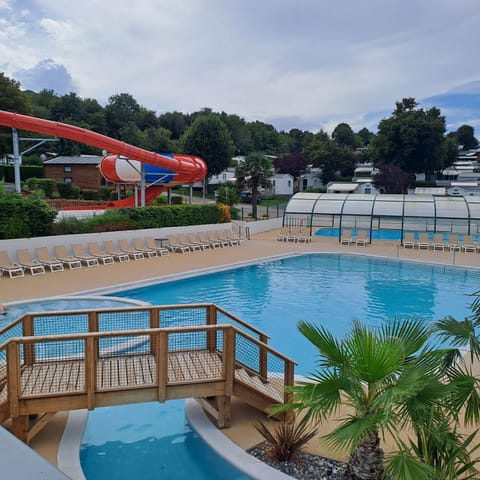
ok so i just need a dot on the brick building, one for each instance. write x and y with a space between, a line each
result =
80 170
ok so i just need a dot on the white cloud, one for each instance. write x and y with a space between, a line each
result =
312 60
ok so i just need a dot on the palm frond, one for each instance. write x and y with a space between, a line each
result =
412 334
404 465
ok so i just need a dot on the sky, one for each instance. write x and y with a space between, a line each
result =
307 64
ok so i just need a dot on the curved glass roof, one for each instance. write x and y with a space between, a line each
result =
379 205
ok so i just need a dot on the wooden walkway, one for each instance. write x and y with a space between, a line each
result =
41 375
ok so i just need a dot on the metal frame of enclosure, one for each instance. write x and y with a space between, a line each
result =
418 213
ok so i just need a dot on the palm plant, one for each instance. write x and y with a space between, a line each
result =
392 380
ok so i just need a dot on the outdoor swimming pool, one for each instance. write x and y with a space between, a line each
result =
273 296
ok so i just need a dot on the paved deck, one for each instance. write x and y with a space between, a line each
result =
260 246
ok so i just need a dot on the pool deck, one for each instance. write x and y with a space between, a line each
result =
260 247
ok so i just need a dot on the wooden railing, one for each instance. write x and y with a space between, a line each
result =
96 365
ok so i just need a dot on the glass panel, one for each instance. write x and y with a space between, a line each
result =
419 209
449 207
299 206
382 208
363 207
329 206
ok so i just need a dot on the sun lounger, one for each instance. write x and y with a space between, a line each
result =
115 253
409 240
222 236
468 245
152 245
453 243
62 255
141 247
202 236
282 236
346 237
183 240
438 242
24 259
213 237
95 251
132 252
54 264
175 246
423 241
14 269
361 238
192 238
79 253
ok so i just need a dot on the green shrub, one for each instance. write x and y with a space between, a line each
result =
103 193
90 194
68 190
45 184
176 200
161 200
25 217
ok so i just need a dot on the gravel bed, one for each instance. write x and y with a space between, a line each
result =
304 466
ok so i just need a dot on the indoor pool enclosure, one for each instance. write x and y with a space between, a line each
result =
309 212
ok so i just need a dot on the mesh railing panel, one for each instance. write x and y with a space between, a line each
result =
247 353
63 324
183 317
15 330
59 368
3 375
225 319
187 341
124 345
125 320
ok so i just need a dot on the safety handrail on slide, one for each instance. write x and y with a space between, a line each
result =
191 168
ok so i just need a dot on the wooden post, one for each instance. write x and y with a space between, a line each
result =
162 364
263 359
211 320
289 381
93 327
224 402
154 323
29 348
13 377
90 359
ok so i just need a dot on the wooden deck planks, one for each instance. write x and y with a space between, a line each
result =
117 372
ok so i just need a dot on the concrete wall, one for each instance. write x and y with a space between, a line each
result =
31 243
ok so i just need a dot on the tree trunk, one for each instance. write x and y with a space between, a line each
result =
366 462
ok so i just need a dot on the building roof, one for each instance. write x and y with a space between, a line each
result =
76 160
343 187
430 191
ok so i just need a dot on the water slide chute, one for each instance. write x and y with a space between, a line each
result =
163 170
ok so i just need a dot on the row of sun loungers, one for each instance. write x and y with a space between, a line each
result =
191 242
441 241
91 255
290 234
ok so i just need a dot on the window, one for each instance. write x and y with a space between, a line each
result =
67 179
289 183
368 190
67 168
273 183
224 176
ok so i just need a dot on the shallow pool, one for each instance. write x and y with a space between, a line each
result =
326 289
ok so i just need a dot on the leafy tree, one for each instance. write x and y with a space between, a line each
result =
299 139
227 194
43 103
69 108
393 379
122 110
412 139
466 137
343 135
264 137
365 135
450 146
95 116
392 179
12 99
176 122
252 173
209 138
239 132
330 157
295 164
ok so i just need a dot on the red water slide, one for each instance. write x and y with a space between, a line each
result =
184 168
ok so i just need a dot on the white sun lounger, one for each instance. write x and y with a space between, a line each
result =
24 259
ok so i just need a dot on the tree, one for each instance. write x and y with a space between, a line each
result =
412 139
227 194
239 132
176 122
365 136
252 173
295 164
330 157
393 379
466 138
343 135
264 138
121 111
209 138
392 179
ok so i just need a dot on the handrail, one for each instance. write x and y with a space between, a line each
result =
153 309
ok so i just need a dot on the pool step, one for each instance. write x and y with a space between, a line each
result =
269 389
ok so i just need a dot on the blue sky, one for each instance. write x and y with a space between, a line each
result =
308 64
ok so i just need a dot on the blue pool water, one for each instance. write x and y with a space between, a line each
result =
376 234
325 289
